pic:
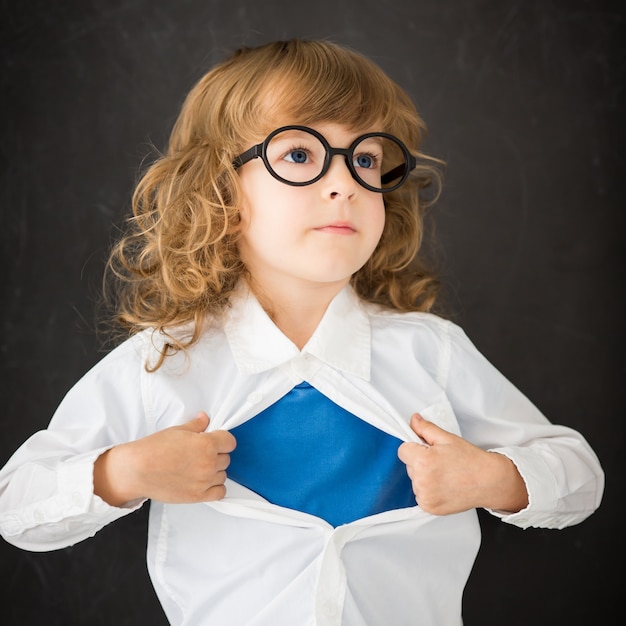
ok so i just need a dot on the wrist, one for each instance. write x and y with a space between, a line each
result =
111 475
509 489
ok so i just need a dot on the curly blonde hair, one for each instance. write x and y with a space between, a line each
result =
178 261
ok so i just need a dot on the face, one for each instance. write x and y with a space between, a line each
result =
319 234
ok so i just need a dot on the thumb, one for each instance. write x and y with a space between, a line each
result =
196 425
429 432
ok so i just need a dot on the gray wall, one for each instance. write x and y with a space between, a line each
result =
524 100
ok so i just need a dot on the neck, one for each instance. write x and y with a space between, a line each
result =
297 312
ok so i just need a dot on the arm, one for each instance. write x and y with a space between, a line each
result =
510 460
99 459
46 488
181 464
451 475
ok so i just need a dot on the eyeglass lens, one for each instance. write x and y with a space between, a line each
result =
299 157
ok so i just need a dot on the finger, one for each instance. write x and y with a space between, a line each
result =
429 432
216 492
222 462
408 450
223 441
196 425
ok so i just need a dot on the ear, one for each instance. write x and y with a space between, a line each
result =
236 212
236 220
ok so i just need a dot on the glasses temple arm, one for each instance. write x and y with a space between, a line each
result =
399 171
248 155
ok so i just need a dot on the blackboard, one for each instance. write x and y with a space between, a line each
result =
525 103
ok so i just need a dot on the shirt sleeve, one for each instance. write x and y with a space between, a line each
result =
563 475
46 488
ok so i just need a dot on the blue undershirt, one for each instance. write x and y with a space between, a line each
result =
307 453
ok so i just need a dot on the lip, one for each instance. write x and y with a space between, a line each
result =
337 228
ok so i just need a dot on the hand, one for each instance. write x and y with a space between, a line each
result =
181 464
450 475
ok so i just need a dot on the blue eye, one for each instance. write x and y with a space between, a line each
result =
297 156
364 160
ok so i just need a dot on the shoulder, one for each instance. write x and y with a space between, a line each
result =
127 361
120 364
384 320
140 352
427 336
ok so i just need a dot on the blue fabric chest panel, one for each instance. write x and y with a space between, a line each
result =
306 453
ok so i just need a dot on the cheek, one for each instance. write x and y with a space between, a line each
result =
263 233
378 225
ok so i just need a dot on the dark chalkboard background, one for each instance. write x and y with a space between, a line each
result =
524 100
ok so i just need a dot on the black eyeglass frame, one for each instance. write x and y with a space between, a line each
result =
260 151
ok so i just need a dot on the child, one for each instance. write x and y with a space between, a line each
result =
285 397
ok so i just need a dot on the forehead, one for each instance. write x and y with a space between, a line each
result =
293 101
337 135
334 131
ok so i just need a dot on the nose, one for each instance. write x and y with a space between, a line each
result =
338 180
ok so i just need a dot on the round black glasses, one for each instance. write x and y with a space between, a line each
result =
298 155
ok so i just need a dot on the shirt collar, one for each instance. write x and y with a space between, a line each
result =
342 339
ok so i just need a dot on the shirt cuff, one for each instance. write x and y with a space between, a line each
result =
542 488
72 513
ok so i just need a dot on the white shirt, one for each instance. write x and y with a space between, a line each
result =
243 560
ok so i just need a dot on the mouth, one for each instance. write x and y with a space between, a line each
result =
337 228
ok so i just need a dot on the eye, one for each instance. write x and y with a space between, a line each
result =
297 155
366 161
